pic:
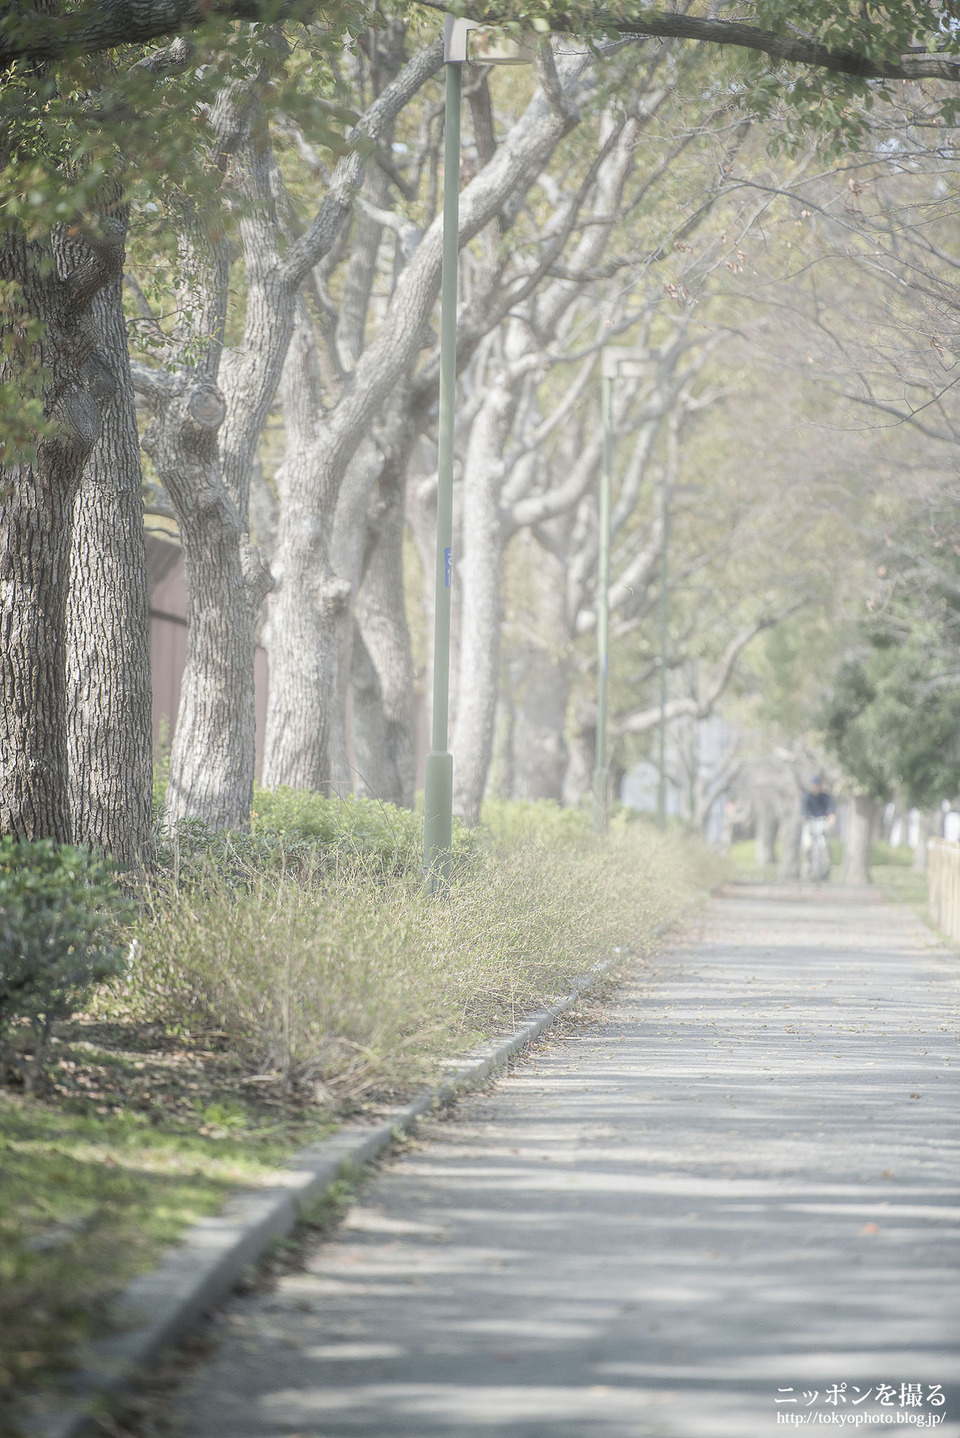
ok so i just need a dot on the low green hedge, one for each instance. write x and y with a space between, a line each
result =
61 917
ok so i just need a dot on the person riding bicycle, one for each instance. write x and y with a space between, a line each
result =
818 803
819 817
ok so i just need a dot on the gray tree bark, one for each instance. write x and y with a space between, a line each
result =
384 713
212 757
764 849
207 482
487 522
108 691
305 741
34 565
930 827
791 826
370 745
207 423
52 283
861 817
480 569
539 676
578 779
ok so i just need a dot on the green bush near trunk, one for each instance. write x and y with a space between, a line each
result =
377 837
61 913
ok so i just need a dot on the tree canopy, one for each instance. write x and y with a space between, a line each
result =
270 192
894 725
900 40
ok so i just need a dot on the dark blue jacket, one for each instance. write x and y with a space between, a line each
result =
818 806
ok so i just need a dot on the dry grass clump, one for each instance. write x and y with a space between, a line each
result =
346 981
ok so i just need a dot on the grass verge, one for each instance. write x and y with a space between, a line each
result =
904 886
891 869
135 1137
277 983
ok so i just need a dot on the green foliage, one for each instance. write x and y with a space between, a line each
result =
61 913
901 883
381 836
515 821
803 97
879 33
894 723
833 105
885 855
191 855
88 137
307 836
378 837
893 717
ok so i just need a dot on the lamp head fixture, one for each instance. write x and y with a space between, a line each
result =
483 49
628 362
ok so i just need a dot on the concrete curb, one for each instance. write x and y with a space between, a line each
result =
160 1307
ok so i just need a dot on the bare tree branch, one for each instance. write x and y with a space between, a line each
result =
643 720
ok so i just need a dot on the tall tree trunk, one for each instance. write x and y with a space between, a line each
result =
34 564
303 611
49 287
348 543
765 846
380 611
540 685
480 569
539 672
212 766
791 827
501 784
108 639
861 815
369 726
310 610
301 644
295 739
212 758
929 823
581 757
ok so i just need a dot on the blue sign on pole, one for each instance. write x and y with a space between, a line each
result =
447 567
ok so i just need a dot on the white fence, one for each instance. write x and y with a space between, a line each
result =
943 880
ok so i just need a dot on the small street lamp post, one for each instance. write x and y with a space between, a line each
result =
438 791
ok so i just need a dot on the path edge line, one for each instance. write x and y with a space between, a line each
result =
160 1307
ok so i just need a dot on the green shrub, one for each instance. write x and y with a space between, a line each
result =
307 836
192 854
513 821
379 836
882 853
60 916
368 831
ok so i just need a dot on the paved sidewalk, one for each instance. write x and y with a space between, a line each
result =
739 1187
